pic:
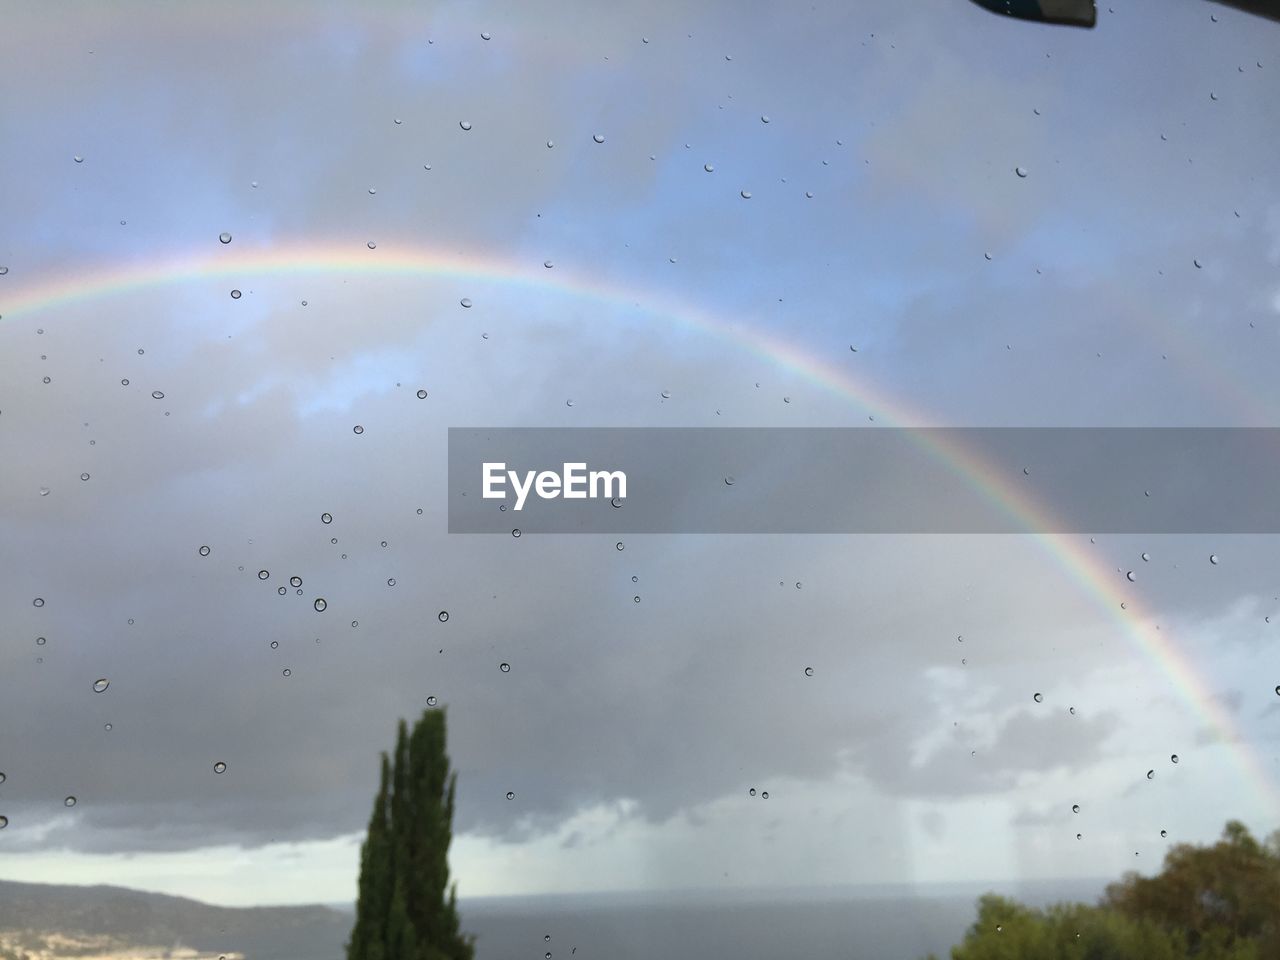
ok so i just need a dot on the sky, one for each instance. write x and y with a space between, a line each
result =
660 215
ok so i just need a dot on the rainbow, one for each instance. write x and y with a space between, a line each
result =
235 263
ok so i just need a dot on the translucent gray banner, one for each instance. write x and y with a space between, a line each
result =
864 480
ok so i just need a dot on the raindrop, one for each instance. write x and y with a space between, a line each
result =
710 168
1151 774
550 144
219 767
1164 833
511 794
809 194
254 184
1146 557
728 481
48 379
2 777
666 394
1130 576
38 602
357 429
422 394
443 616
263 574
465 124
1213 558
1071 710
275 644
4 822
281 590
224 237
326 518
295 581
101 684
78 159
431 701
598 138
157 395
484 36
746 194
235 294
764 794
764 119
465 301
636 599
1020 171
1173 758
516 532
548 264
1075 808
70 802
286 672
124 383
40 642
808 671
321 604
615 502
751 792
84 476
107 727
504 667
987 255
373 191
1197 263
1037 697
372 245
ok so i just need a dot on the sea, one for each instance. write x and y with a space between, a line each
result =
826 924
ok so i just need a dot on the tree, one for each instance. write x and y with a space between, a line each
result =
1219 902
407 909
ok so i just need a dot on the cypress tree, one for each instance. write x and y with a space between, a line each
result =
368 937
407 908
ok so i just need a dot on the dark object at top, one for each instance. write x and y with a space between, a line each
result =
1075 13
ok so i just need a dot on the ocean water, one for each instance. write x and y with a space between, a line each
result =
815 925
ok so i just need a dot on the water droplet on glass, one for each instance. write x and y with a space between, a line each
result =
1173 758
357 429
465 301
275 644
1037 697
372 245
504 667
78 159
321 605
1151 774
431 701
598 138
516 532
764 119
40 642
484 36
84 476
373 191
746 194
465 124
550 144
1146 557
295 581
235 294
710 168
443 616
286 672
1131 576
616 503
1213 558
101 684
38 602
219 767
1197 263
548 264
224 237
764 794
809 194
1164 833
808 671
1020 171
326 518
69 802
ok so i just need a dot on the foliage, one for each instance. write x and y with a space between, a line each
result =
407 909
1219 902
